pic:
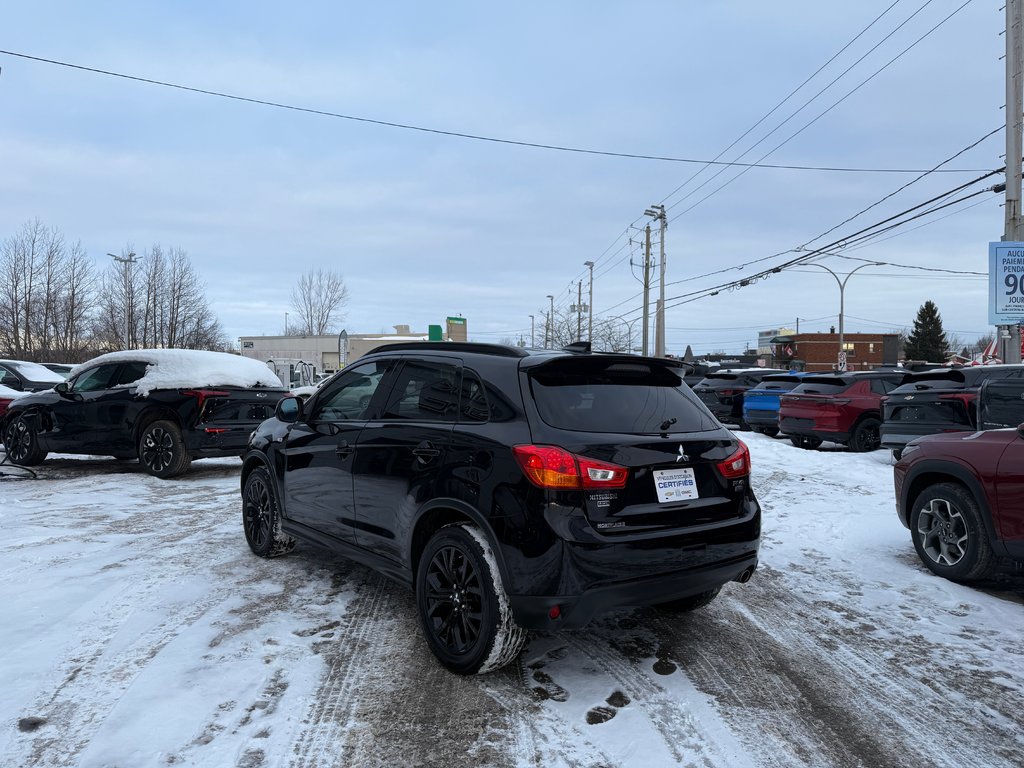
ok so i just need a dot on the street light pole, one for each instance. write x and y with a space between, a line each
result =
629 330
841 361
532 342
549 339
129 288
590 303
285 323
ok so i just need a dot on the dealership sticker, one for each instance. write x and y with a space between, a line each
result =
675 484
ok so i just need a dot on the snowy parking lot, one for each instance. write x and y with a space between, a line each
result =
140 631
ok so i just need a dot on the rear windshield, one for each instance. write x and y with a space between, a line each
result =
956 379
778 383
36 372
595 395
822 386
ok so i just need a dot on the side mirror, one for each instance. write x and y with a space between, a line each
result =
288 410
61 388
1020 430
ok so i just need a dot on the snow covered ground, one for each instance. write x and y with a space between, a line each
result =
138 630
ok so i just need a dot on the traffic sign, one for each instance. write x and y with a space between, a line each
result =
1006 283
842 360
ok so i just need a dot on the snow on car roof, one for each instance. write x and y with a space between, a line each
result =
34 371
175 368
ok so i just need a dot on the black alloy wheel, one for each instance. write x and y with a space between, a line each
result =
866 436
162 450
807 443
949 533
22 444
261 518
461 603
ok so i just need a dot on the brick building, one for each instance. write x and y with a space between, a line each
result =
820 351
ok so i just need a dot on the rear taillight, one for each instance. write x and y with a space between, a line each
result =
202 395
967 398
548 466
737 465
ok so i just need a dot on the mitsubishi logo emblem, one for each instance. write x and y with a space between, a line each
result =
682 456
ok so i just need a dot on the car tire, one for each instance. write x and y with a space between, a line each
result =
807 443
897 454
22 444
757 430
687 604
261 517
949 533
462 605
770 431
161 449
865 436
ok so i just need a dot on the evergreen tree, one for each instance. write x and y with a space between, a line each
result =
927 341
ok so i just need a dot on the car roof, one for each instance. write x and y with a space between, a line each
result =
528 355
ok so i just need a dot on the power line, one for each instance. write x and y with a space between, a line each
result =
454 134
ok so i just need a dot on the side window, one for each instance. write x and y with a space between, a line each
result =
95 378
350 394
424 391
8 379
473 399
129 374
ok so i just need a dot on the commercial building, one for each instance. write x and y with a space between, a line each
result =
820 351
288 355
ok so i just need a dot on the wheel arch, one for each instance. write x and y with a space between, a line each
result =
437 514
929 473
254 460
151 414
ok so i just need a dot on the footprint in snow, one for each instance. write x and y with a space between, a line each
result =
602 714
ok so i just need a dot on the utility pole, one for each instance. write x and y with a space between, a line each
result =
647 288
1013 231
658 212
590 303
532 342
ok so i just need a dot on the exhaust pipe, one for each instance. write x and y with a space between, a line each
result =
744 577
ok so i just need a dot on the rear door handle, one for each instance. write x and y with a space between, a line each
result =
344 450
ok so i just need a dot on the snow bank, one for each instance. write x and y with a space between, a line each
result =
176 368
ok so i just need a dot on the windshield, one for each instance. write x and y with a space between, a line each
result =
600 395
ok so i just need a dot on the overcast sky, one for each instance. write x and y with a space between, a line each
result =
423 226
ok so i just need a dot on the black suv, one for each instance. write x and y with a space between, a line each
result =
165 406
511 489
722 392
940 400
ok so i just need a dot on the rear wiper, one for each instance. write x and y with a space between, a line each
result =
666 424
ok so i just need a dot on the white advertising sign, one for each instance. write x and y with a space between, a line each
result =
1005 283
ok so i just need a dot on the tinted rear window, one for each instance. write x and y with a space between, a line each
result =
594 395
823 386
777 383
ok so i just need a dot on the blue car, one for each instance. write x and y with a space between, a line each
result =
761 403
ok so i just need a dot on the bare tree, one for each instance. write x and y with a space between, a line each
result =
46 292
156 301
318 300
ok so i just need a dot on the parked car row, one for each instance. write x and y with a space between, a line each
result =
515 489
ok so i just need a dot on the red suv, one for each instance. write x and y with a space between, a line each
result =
962 497
843 408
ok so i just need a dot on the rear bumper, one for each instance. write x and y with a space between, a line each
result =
575 611
800 428
602 573
897 436
762 418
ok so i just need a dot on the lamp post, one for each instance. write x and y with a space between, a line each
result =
129 289
549 338
285 323
590 303
841 361
532 343
629 330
